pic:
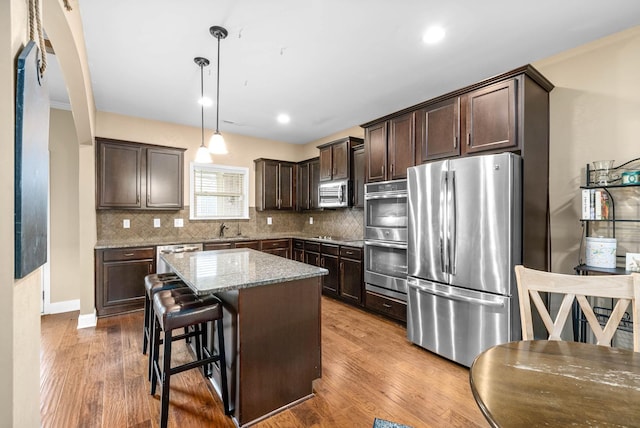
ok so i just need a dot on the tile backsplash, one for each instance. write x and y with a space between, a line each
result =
341 223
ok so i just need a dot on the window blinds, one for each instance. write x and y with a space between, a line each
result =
218 193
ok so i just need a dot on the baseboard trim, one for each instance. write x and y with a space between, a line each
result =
61 307
87 320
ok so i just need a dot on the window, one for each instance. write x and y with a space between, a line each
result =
218 192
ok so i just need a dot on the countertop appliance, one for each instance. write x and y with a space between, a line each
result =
385 233
161 266
465 237
334 194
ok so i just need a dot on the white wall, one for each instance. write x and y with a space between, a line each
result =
20 302
595 114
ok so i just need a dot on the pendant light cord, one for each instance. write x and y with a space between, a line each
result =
202 103
218 89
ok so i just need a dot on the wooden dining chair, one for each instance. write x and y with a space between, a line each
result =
624 288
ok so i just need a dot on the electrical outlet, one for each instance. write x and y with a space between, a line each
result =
156 222
177 222
269 220
310 220
126 223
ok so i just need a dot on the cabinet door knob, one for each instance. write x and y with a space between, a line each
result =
468 138
455 142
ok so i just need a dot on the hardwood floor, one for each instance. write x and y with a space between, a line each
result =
96 377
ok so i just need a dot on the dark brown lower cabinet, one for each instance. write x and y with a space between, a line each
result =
312 253
298 250
278 247
254 245
298 255
385 305
330 282
217 246
120 276
351 279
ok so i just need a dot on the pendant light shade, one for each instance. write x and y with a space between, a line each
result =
202 156
216 143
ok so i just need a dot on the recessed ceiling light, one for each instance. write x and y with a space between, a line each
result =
283 118
205 101
433 35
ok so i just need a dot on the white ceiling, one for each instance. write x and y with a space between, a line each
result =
329 64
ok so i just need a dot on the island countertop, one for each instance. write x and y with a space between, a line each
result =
226 270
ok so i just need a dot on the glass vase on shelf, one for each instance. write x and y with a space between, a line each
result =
601 170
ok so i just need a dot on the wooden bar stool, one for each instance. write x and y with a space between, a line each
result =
153 283
175 310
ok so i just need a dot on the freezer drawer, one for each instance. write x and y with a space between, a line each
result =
457 323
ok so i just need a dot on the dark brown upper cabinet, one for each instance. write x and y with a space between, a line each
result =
358 176
402 146
308 180
375 152
335 158
438 131
275 185
164 178
390 148
491 117
138 176
507 112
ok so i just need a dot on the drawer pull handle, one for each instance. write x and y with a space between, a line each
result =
349 252
386 305
129 254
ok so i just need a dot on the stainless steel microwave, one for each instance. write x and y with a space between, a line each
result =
335 194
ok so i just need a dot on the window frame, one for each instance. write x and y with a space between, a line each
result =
218 168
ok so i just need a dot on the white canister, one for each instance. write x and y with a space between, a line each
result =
601 252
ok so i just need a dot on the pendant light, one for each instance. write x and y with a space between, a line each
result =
202 156
216 143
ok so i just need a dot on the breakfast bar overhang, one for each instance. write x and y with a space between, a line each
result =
271 323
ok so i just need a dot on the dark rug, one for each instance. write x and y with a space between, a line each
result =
381 423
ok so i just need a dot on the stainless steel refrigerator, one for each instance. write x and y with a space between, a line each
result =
465 237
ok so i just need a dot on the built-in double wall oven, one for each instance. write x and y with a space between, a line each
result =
385 234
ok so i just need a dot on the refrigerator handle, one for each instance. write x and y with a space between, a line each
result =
456 296
453 217
443 250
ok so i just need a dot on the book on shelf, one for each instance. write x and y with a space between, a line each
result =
595 204
586 201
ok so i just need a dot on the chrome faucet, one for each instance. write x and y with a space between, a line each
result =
222 228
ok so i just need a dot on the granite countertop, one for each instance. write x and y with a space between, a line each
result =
102 245
226 270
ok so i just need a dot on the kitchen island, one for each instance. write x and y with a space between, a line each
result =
271 322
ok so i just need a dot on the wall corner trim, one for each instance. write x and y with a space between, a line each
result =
87 320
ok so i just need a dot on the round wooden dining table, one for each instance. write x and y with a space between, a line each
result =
557 384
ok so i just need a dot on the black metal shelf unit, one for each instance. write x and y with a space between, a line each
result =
614 183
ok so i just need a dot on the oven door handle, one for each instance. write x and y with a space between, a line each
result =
389 195
386 244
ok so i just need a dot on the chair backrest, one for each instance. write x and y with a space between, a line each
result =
625 288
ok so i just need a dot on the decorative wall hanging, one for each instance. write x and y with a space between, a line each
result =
31 163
